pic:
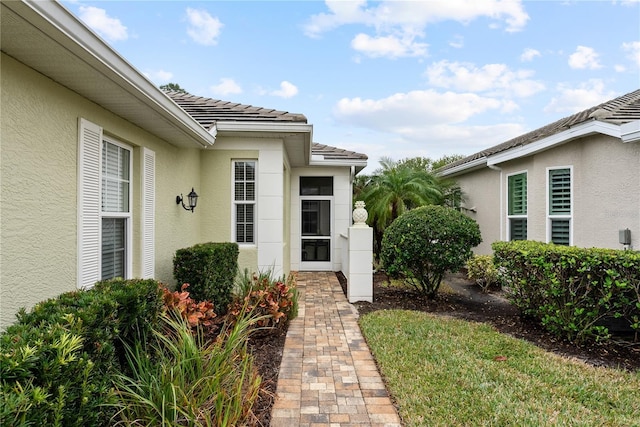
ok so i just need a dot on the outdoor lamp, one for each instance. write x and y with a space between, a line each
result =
193 200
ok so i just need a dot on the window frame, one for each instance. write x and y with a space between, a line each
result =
235 203
127 216
524 216
552 216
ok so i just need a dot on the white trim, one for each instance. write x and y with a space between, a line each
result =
263 127
465 167
579 131
509 217
570 216
630 132
244 202
147 217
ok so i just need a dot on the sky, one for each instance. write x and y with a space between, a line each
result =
394 79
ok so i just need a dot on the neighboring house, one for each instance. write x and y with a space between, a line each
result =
573 182
93 156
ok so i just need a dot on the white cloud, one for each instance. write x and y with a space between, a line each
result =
404 111
529 54
389 46
584 57
108 27
495 79
457 42
620 68
425 123
287 90
203 28
389 14
225 87
575 99
397 24
633 50
159 76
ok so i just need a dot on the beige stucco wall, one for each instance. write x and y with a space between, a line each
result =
38 218
482 192
215 202
606 192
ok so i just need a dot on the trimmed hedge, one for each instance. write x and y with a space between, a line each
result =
573 292
210 270
57 362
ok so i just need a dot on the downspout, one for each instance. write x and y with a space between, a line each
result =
496 168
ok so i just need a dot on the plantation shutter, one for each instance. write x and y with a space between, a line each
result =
518 194
560 229
148 213
560 192
560 205
89 199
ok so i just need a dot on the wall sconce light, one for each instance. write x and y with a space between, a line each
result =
193 200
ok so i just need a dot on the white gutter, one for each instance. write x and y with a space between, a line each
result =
630 132
120 71
286 127
579 131
465 167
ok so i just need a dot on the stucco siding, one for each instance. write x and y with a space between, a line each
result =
481 190
38 253
605 192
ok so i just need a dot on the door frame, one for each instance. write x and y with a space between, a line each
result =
317 265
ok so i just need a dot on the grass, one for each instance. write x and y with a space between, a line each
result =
449 372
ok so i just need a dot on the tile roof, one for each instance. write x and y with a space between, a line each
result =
334 153
623 109
207 111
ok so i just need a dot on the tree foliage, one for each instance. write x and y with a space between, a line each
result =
173 87
423 244
399 186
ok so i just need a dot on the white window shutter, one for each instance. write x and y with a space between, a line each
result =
89 198
148 213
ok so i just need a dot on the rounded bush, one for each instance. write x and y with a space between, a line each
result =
421 245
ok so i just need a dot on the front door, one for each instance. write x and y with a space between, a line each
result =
316 222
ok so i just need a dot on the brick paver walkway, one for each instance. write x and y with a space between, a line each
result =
327 375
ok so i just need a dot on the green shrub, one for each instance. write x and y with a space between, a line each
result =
57 361
423 244
190 382
482 271
210 270
572 291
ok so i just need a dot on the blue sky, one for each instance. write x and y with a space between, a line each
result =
392 78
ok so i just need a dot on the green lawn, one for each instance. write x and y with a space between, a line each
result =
444 372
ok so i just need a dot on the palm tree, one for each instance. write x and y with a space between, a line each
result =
394 189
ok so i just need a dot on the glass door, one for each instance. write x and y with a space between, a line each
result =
316 223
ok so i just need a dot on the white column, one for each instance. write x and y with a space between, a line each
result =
360 274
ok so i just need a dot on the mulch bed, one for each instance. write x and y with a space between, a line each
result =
471 305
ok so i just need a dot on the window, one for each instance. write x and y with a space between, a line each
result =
559 206
517 209
115 211
244 200
105 221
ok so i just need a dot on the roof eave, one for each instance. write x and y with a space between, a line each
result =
578 131
464 168
630 132
60 25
